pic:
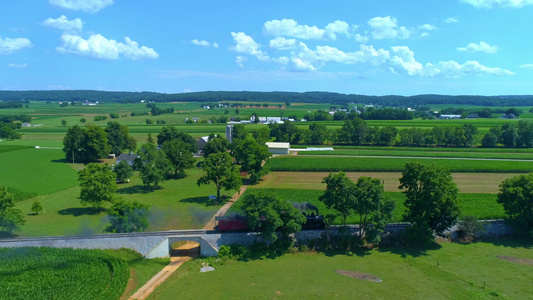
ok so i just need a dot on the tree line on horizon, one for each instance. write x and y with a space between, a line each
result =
250 96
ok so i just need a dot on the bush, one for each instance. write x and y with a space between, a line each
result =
149 122
469 229
100 118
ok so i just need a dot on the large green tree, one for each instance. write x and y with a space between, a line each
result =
270 214
372 207
250 155
179 155
73 144
155 165
123 171
215 144
431 197
95 145
98 185
340 194
353 131
169 133
219 169
119 138
11 218
127 216
516 196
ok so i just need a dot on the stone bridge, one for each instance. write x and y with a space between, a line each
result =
149 244
158 243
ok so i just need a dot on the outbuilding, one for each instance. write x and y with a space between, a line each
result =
128 157
278 148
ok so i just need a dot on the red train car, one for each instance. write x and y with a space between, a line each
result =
234 222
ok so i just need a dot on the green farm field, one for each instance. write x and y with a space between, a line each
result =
41 273
466 182
408 153
392 164
482 206
454 271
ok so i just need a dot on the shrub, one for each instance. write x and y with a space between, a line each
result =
469 229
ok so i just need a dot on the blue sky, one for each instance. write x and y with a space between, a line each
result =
457 47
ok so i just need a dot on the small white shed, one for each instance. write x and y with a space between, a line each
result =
279 148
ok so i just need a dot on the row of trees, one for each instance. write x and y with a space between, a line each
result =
510 135
90 143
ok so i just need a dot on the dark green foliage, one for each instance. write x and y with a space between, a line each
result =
99 118
118 137
179 155
219 169
169 133
516 195
83 120
216 144
386 114
155 165
114 115
250 155
431 201
65 273
126 216
340 194
270 214
85 145
149 121
36 207
239 132
286 132
353 131
98 185
10 217
123 171
469 229
64 122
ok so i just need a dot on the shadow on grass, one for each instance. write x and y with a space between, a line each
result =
513 241
63 161
138 189
80 211
413 251
7 235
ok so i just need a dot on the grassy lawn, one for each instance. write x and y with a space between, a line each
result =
374 164
33 171
466 182
452 272
482 206
179 204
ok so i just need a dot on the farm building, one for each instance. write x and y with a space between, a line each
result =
129 158
279 148
202 142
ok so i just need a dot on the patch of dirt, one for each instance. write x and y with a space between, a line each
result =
359 275
278 293
524 261
132 284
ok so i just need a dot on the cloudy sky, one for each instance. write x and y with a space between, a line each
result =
379 47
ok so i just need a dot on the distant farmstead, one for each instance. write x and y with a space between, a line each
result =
129 158
279 148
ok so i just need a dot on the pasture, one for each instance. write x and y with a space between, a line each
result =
452 271
179 204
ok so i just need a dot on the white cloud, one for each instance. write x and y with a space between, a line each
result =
97 46
427 27
403 61
63 23
527 66
204 43
17 66
291 28
451 20
361 39
302 65
453 69
239 60
481 47
8 45
90 6
281 43
424 34
247 45
387 28
499 3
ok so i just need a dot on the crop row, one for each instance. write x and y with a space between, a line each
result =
50 273
426 149
408 153
482 206
372 164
